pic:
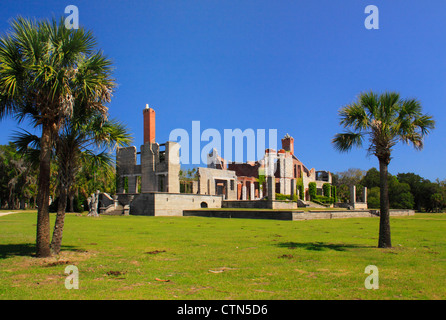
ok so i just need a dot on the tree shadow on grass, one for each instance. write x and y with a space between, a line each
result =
25 250
320 246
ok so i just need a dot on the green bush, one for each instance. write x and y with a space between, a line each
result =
323 199
334 193
300 187
326 187
373 198
312 190
280 196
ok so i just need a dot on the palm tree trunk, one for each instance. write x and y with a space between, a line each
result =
43 196
71 194
384 220
56 241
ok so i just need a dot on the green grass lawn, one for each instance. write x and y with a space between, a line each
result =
214 258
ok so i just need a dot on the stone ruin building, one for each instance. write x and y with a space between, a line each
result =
152 187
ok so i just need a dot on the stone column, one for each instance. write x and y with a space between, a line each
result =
365 194
173 167
195 187
353 194
287 186
252 191
270 168
293 187
271 188
244 192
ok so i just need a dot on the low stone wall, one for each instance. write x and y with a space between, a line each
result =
360 205
179 204
276 204
315 214
290 215
248 214
259 204
278 214
401 212
171 204
247 204
395 212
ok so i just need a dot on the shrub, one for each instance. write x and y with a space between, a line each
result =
373 198
280 196
312 190
326 187
334 193
323 199
301 191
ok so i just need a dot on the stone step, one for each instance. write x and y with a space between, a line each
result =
312 204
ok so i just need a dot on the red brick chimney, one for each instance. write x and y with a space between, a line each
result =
149 125
288 143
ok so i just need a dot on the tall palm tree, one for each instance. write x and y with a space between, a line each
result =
83 143
44 68
84 140
385 120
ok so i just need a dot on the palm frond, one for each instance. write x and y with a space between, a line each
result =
425 124
344 142
112 134
369 101
388 108
28 145
354 116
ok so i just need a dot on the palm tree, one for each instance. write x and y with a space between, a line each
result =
76 147
84 141
385 119
44 68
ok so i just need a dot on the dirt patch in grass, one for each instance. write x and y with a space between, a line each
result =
155 252
115 273
58 263
64 258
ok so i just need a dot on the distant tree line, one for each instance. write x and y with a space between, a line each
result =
18 180
406 190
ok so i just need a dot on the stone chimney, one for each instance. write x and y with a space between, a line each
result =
149 125
288 143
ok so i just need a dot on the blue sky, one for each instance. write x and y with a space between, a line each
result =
285 65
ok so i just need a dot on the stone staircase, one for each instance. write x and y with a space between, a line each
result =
310 204
112 210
